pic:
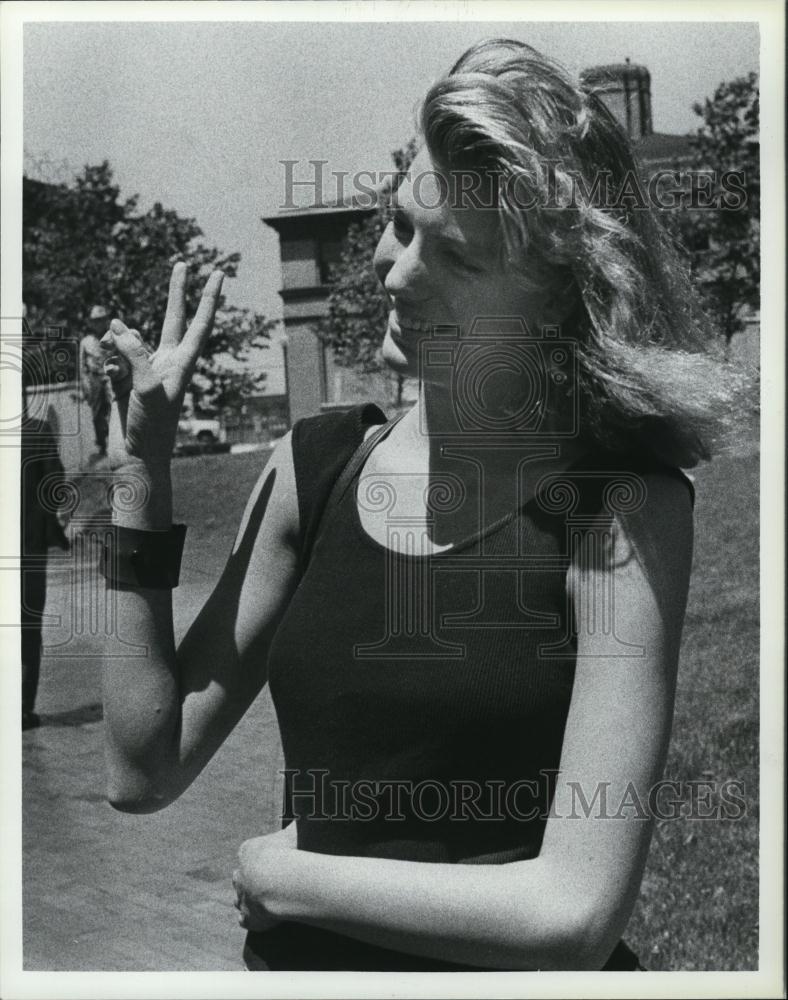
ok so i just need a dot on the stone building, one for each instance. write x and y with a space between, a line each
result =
310 241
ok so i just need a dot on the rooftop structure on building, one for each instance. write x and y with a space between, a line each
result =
626 90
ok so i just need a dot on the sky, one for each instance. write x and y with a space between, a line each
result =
198 115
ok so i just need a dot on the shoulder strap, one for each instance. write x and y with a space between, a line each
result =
323 444
342 484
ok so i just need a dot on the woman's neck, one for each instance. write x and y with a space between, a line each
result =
496 473
440 420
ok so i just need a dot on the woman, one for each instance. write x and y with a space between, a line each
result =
472 632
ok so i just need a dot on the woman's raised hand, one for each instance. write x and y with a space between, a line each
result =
149 388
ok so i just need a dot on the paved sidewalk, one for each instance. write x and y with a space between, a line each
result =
108 891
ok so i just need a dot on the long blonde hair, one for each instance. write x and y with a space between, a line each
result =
647 379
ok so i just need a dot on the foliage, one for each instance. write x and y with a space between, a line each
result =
83 246
357 306
724 240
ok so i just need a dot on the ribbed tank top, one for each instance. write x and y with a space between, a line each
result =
422 699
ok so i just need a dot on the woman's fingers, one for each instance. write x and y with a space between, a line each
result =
175 317
129 360
116 367
119 371
200 327
133 351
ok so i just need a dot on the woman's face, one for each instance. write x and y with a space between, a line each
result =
441 265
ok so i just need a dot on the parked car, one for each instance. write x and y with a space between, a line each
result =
200 434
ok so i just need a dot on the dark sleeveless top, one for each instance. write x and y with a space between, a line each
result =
422 699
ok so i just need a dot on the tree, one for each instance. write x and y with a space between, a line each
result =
357 306
82 246
723 235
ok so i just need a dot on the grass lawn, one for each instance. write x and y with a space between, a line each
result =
698 908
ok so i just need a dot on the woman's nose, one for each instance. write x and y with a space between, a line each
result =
399 267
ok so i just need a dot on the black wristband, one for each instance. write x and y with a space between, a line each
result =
137 558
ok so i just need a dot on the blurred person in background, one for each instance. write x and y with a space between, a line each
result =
41 528
95 385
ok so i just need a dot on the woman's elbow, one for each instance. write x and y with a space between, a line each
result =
140 807
592 936
584 939
131 794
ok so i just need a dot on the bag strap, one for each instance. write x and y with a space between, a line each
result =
342 484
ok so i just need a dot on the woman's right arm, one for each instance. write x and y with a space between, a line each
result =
167 712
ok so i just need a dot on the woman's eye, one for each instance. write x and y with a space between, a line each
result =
401 229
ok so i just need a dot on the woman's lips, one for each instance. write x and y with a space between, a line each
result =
400 322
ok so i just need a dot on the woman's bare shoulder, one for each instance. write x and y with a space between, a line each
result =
646 543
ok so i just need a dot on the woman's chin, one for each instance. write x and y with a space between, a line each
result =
394 357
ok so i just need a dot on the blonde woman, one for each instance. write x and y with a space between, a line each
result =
469 618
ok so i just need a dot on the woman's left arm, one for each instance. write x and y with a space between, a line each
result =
567 908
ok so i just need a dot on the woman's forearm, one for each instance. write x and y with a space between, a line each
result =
142 497
522 915
141 690
151 755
